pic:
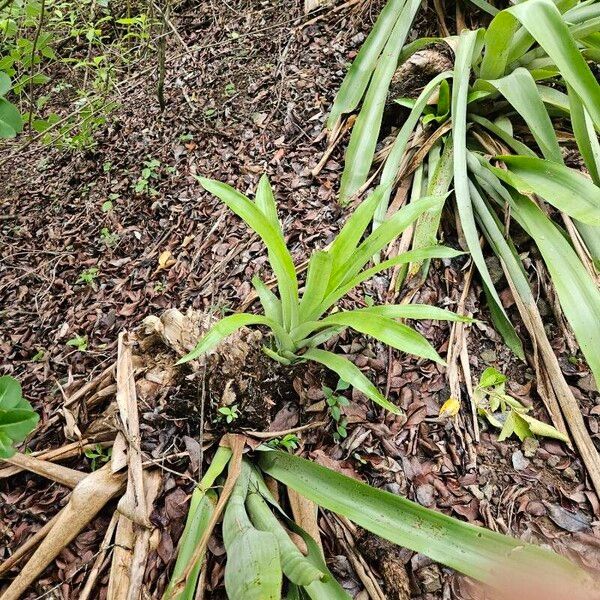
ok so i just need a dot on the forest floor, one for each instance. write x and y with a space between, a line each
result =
248 88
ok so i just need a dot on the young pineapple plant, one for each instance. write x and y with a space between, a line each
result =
265 562
302 320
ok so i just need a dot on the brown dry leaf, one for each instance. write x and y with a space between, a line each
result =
165 260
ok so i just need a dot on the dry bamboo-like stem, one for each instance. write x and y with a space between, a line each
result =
63 475
86 500
133 503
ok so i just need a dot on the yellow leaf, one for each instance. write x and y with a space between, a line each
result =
450 408
165 260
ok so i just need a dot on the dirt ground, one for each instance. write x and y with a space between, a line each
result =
248 88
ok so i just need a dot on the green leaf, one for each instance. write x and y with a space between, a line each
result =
279 256
565 188
266 202
410 256
491 377
363 140
357 79
520 90
5 84
471 550
509 140
225 327
349 372
462 67
386 330
497 48
317 281
11 122
578 294
543 429
379 238
544 22
394 159
17 417
295 566
414 311
269 301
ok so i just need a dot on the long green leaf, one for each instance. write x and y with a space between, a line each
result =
565 188
578 294
385 330
474 551
394 159
317 281
363 140
226 327
279 256
410 256
462 68
520 90
379 238
355 83
544 22
350 373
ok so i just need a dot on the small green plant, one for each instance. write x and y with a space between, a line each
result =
505 412
79 342
11 122
98 455
229 413
336 403
263 562
300 324
109 238
17 417
88 276
38 356
149 173
288 442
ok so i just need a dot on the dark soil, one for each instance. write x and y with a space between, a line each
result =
248 92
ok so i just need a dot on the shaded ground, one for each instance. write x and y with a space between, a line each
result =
247 91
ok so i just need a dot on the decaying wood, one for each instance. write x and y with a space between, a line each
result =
86 500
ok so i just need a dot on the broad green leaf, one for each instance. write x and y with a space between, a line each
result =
317 281
386 330
471 550
225 327
565 188
497 45
363 140
350 373
520 90
253 569
17 417
11 122
295 566
491 377
357 79
279 256
544 22
4 84
543 429
394 159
